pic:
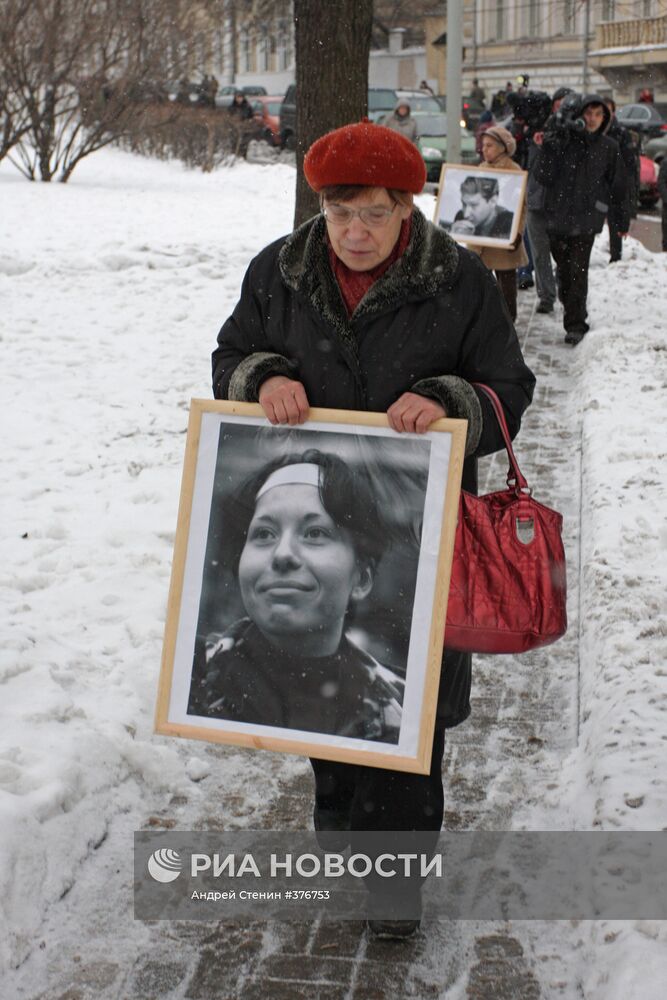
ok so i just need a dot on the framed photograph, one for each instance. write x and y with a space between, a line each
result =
479 206
309 586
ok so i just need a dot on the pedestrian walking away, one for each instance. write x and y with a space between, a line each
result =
369 306
582 170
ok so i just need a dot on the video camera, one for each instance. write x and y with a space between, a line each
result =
568 117
533 108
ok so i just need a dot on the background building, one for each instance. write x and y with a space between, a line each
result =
397 67
612 47
606 46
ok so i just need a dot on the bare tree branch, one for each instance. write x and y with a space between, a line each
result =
74 75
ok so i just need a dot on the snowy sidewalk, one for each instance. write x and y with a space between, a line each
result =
118 958
113 296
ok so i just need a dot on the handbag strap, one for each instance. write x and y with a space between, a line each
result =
515 479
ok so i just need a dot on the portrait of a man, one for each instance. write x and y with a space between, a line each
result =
480 206
480 214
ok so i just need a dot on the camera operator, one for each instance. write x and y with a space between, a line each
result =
583 173
530 112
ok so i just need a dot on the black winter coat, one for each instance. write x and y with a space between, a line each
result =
536 193
584 176
629 153
432 324
662 185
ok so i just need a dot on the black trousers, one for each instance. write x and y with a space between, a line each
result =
352 797
356 797
572 255
615 241
507 283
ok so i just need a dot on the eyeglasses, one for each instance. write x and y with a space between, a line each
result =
372 215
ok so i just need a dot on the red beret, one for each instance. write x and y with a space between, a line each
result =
365 154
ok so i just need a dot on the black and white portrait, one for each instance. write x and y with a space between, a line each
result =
303 603
480 206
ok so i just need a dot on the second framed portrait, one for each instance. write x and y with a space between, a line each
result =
309 586
480 206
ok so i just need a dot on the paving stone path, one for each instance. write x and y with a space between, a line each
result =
521 706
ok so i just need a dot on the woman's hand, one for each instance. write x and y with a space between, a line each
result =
283 400
414 413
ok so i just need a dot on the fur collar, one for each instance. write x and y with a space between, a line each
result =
429 263
502 162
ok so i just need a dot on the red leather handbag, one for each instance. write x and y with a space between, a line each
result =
507 591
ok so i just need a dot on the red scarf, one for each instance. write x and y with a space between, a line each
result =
354 284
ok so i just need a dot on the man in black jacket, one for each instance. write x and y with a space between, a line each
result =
536 219
629 150
583 173
662 190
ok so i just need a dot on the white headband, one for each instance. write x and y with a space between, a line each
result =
306 473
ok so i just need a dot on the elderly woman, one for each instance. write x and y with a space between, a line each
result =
498 148
306 536
368 306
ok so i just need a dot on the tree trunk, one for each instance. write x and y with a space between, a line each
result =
332 47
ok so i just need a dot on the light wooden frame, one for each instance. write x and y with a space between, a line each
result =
444 434
512 182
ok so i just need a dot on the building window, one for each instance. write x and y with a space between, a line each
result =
284 46
263 49
245 52
201 52
568 17
608 10
533 18
500 20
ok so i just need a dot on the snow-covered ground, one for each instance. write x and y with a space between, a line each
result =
112 289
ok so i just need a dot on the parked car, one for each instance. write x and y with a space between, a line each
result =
648 182
650 120
177 90
471 110
419 101
288 118
432 142
381 102
656 149
225 95
267 109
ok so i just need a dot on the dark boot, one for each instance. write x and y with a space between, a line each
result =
393 930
